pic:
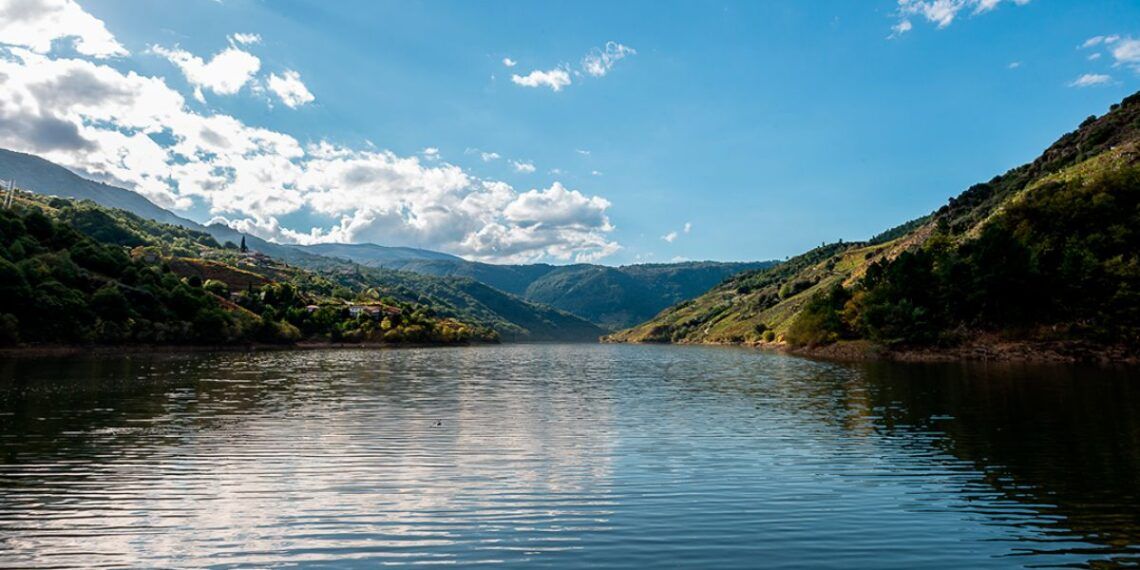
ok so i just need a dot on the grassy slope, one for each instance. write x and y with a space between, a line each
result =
770 298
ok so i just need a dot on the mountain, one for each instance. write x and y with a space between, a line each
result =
43 177
78 273
377 255
612 297
513 318
1048 252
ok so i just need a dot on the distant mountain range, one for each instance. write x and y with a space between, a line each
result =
612 297
609 297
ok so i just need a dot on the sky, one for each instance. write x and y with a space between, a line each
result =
559 132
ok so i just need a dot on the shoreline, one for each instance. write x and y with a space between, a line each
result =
988 350
134 349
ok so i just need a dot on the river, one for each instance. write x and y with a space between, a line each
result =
564 456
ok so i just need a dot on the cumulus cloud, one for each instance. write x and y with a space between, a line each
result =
136 131
670 237
600 61
38 24
1090 79
225 74
289 88
556 79
523 166
489 156
509 62
941 13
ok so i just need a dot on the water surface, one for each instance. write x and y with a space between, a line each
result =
564 456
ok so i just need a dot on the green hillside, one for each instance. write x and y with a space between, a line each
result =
1048 251
611 297
76 272
80 273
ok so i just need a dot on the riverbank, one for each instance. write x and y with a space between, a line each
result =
983 349
102 350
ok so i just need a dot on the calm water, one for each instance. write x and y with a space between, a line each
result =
566 456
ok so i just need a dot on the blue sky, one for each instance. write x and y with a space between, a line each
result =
764 128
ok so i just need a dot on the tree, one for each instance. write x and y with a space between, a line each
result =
243 247
110 304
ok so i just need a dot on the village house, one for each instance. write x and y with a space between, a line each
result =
374 311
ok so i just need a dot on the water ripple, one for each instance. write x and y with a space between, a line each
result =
563 455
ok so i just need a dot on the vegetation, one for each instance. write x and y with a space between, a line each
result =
611 297
1047 251
1061 262
73 272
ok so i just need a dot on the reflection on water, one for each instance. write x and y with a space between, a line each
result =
615 456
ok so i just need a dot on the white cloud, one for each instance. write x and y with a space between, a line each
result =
523 166
289 88
582 152
37 24
555 79
1090 79
901 28
225 74
941 13
509 62
1094 56
601 60
595 173
1014 64
138 132
1127 52
246 39
430 153
673 235
489 156
1098 40
597 63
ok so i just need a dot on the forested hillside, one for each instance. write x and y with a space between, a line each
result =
76 272
612 297
1049 251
